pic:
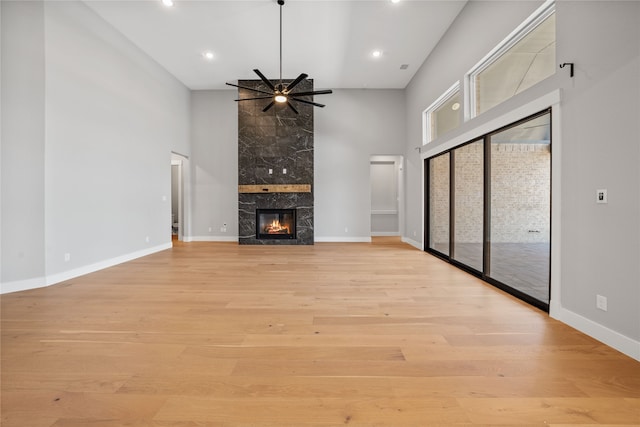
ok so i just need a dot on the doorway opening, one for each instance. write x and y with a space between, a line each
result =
179 182
386 195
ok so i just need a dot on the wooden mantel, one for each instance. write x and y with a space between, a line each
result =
275 188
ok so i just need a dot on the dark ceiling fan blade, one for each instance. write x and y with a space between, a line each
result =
292 107
307 102
293 84
264 79
268 106
250 88
253 99
316 92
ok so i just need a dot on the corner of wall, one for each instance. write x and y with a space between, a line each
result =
613 339
414 243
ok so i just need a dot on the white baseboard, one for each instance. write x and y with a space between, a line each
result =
23 285
41 282
415 244
385 234
211 239
329 239
613 339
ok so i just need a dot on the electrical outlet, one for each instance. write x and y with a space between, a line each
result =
67 257
146 239
601 302
210 229
346 229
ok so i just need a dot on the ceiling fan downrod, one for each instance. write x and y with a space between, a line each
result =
281 3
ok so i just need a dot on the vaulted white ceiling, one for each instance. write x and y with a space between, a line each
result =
331 40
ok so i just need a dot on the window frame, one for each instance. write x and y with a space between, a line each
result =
427 124
547 9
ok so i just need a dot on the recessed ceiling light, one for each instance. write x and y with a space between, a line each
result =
376 53
167 3
208 55
395 1
455 106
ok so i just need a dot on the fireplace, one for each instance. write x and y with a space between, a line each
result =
275 223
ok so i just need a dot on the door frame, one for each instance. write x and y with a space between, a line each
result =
398 161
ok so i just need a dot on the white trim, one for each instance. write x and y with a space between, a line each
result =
385 233
41 282
330 239
426 114
532 107
23 285
528 25
413 243
595 330
211 239
81 271
384 212
556 205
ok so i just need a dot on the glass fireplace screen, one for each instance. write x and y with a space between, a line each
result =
275 223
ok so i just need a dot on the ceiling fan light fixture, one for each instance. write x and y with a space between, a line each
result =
279 92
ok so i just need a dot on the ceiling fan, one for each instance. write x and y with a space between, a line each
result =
280 93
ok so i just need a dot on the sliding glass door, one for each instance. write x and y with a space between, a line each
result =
439 193
521 207
468 204
489 207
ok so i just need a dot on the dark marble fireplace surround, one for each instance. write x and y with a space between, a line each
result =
279 141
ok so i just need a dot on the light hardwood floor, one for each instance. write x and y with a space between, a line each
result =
381 334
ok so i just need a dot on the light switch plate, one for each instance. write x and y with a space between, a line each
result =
601 196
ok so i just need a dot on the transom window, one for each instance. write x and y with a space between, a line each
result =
526 57
443 115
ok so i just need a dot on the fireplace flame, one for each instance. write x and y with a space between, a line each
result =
276 228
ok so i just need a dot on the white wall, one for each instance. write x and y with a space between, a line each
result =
356 124
0 144
110 119
597 146
600 149
22 143
214 130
